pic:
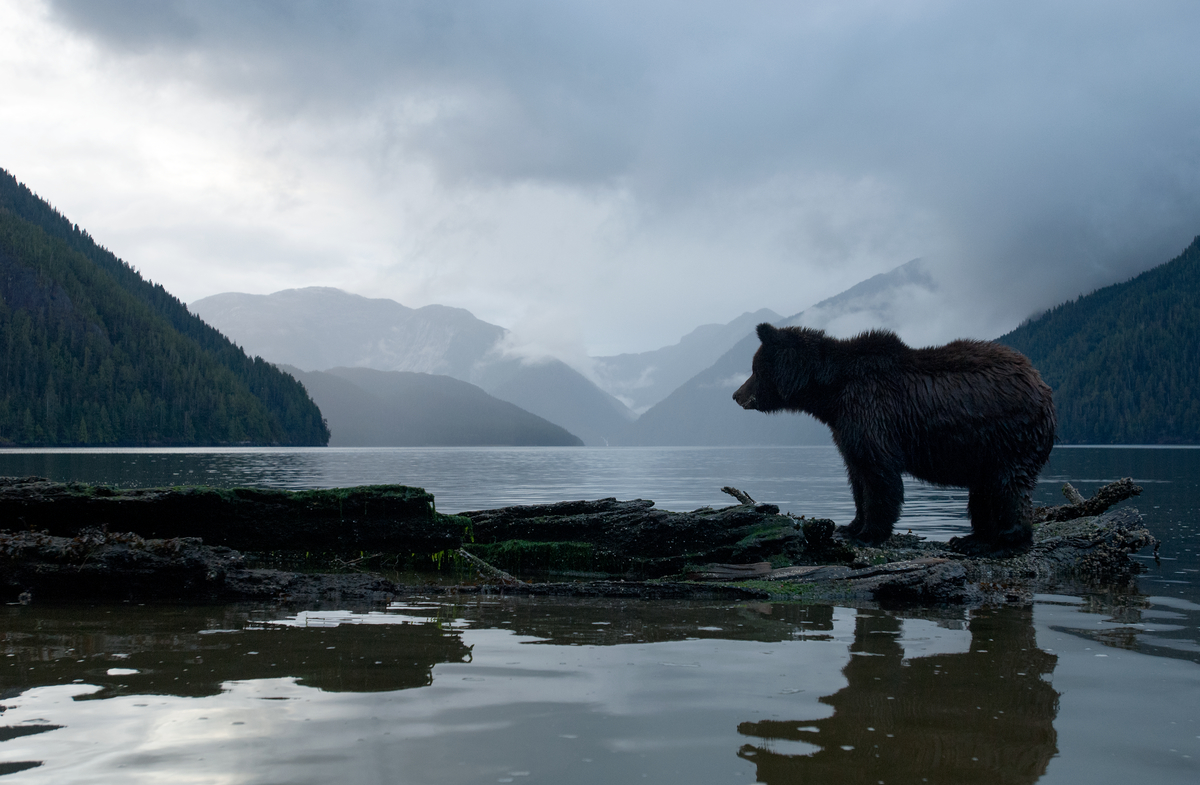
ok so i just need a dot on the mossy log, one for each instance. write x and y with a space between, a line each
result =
635 540
391 518
744 551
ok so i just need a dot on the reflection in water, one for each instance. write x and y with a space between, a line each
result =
537 690
191 652
608 622
981 716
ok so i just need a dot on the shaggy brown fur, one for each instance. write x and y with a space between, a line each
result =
970 414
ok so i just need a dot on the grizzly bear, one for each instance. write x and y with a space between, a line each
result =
970 414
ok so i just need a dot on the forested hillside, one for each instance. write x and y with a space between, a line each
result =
91 353
1124 361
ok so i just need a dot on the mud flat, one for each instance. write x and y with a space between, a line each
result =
76 542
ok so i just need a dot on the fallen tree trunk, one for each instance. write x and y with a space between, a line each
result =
757 553
391 518
635 540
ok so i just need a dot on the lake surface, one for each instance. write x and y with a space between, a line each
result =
1101 687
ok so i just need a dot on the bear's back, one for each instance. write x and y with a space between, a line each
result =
968 357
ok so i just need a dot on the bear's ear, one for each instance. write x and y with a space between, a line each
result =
767 332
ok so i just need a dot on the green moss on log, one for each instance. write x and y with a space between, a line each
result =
389 518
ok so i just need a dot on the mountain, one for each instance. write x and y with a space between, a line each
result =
642 380
1124 361
701 411
92 353
369 408
556 391
319 328
874 303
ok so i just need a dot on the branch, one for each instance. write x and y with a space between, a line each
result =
1103 499
488 570
741 496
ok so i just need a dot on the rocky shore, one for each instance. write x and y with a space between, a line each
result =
73 542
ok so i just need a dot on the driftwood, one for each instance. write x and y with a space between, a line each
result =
741 496
388 518
1108 496
488 570
747 550
635 540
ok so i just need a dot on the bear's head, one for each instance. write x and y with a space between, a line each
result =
789 360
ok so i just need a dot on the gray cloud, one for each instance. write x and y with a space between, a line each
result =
1038 150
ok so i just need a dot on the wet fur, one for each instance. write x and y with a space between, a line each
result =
971 414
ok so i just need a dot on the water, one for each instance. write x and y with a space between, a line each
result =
541 691
1096 688
805 480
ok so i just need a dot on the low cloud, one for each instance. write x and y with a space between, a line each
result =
635 169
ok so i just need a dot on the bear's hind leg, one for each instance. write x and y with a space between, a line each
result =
1001 522
1014 520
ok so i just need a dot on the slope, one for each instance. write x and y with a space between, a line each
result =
318 328
556 391
369 408
283 412
92 353
643 379
702 412
1124 361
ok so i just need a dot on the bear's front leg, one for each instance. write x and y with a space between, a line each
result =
854 528
878 501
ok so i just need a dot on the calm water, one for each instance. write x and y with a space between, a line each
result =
1103 687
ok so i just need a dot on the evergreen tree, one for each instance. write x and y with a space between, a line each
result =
92 353
1124 361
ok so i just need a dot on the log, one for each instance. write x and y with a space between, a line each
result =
731 551
388 518
637 541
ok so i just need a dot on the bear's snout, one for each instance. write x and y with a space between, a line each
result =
745 395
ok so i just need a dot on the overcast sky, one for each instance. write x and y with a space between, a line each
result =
605 176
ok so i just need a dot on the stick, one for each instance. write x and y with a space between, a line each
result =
488 570
1073 496
741 496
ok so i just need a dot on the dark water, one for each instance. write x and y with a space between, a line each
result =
1101 687
513 690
